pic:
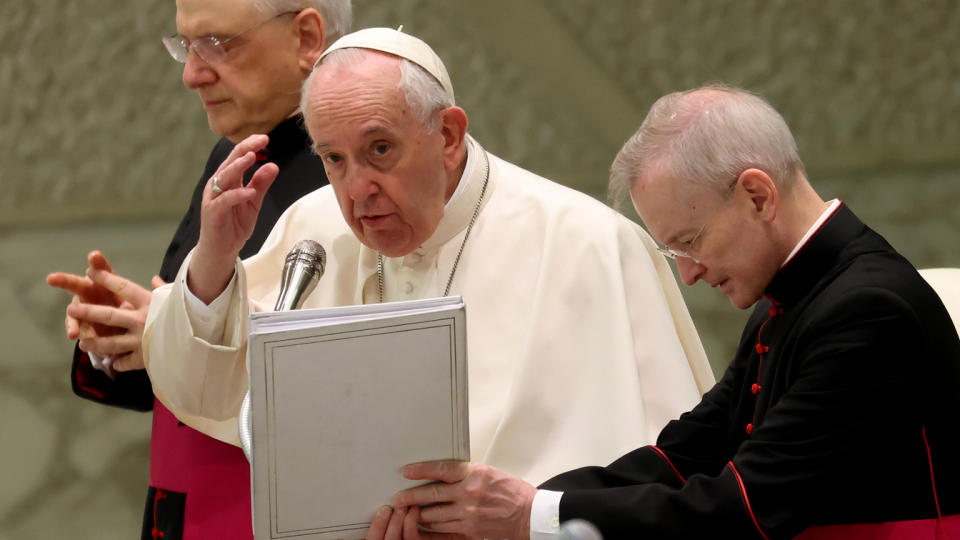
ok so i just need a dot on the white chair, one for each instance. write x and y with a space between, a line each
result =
946 281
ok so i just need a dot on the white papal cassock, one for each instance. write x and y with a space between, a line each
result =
580 346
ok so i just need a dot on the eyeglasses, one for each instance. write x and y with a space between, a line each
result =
210 49
675 254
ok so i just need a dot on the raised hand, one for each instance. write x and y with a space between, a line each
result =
228 215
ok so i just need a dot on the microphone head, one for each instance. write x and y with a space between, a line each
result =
578 529
311 253
301 271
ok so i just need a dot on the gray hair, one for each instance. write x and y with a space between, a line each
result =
423 93
337 14
708 135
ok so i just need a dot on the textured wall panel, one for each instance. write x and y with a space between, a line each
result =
95 119
94 465
101 145
861 82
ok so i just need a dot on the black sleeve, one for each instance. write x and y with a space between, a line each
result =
694 443
806 463
130 390
644 491
699 441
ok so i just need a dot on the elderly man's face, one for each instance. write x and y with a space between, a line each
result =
257 85
391 177
734 252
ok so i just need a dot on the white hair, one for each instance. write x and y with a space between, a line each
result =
337 14
708 135
422 92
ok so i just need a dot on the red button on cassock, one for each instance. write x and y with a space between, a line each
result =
749 429
759 348
773 311
755 389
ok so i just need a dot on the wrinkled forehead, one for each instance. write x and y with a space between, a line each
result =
354 97
215 17
369 75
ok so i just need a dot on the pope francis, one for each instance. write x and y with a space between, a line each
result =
580 346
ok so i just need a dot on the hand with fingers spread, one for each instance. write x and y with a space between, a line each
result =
107 312
469 499
228 215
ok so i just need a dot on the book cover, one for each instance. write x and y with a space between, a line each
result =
342 398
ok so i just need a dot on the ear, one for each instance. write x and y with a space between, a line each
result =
453 128
761 192
311 32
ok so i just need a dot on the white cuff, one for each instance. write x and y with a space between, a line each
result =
96 361
102 364
545 515
208 321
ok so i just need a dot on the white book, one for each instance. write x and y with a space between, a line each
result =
341 399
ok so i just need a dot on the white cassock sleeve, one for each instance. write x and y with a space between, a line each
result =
185 386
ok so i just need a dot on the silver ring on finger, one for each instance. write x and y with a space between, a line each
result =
215 188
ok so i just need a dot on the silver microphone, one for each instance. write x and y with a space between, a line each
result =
301 271
579 529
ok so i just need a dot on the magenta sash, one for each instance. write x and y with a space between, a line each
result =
215 476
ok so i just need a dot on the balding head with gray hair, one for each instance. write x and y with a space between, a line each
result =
708 135
337 14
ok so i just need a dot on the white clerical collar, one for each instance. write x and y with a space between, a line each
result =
834 204
463 203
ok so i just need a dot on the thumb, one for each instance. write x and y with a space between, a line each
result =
128 362
157 281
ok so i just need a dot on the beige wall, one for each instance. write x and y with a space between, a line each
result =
100 146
